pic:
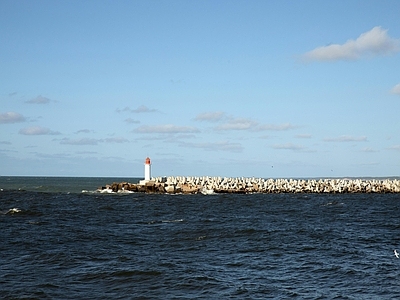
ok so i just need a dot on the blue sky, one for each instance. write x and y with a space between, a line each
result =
205 88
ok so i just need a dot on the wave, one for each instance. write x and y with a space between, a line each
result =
108 191
11 211
172 221
165 221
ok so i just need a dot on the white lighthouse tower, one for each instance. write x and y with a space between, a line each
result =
147 169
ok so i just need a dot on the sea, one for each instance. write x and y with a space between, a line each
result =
59 239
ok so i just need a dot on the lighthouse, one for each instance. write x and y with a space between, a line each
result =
147 169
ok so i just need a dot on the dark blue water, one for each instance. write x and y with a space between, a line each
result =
58 244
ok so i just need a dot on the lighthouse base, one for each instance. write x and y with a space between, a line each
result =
144 182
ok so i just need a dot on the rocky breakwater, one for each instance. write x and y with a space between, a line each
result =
210 185
168 185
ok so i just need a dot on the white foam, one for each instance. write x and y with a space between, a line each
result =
106 191
90 192
205 191
172 221
123 191
13 211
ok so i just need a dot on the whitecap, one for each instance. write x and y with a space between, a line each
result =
205 191
90 192
173 221
334 203
125 192
106 191
13 211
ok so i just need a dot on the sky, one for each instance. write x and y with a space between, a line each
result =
270 89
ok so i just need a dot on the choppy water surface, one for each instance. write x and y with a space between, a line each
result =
72 245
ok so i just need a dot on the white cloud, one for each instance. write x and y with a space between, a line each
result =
210 116
118 140
140 109
84 131
79 142
396 147
39 100
168 128
37 130
131 121
143 109
368 150
371 43
347 138
288 146
86 152
251 125
179 137
303 136
272 127
91 141
52 155
217 146
11 117
396 89
227 123
237 124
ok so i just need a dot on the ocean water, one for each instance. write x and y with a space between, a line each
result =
57 242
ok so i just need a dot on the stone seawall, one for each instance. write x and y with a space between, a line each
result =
209 185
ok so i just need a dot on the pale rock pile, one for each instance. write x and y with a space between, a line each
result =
259 185
210 185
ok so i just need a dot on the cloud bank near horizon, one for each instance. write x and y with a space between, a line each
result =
167 128
92 141
347 138
139 110
229 123
37 130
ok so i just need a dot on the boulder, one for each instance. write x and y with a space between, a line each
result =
170 189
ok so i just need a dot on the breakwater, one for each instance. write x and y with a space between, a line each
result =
242 185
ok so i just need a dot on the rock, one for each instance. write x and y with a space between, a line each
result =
170 189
